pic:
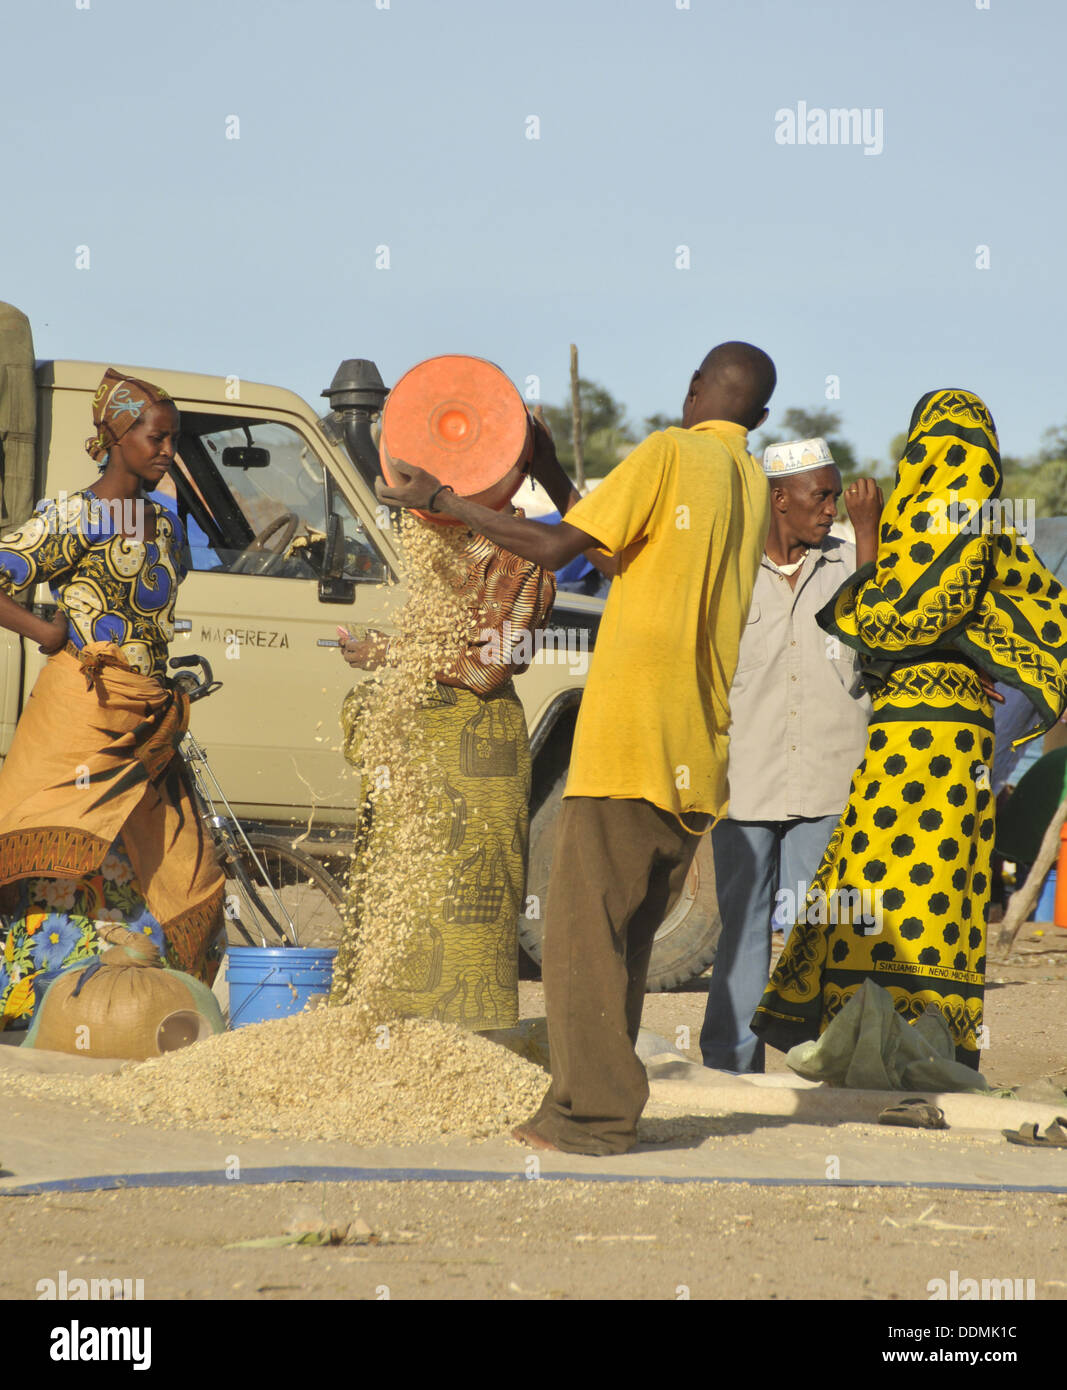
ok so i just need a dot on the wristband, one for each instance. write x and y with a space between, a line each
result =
445 487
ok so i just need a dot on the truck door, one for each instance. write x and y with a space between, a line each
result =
253 494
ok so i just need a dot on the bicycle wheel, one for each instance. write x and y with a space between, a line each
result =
312 901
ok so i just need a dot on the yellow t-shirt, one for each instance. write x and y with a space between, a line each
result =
689 510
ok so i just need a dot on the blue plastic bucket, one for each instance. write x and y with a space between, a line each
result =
268 982
1045 911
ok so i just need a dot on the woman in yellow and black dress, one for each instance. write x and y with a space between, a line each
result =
949 596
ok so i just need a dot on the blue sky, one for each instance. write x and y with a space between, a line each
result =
406 127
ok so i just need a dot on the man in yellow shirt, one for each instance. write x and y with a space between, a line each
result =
685 517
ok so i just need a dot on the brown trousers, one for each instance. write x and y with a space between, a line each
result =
618 867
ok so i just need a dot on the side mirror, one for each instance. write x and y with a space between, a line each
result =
333 587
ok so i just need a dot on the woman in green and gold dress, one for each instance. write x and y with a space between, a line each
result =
478 769
951 595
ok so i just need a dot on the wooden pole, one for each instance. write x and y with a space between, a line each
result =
1024 899
576 423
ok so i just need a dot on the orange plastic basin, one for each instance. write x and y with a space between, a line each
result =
462 420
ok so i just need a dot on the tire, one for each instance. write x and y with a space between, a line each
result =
685 943
311 897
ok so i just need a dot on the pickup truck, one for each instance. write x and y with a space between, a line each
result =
287 539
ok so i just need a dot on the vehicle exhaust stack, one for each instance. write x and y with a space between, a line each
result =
356 394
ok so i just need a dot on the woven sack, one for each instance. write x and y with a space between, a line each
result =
124 1004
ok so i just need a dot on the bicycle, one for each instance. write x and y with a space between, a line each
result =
273 889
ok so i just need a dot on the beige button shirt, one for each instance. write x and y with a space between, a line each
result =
798 707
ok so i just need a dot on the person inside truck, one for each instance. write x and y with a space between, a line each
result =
200 552
97 823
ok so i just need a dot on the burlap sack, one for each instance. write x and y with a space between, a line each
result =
124 1004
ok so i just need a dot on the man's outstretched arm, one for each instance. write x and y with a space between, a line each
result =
551 547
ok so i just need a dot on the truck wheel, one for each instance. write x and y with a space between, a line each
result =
685 942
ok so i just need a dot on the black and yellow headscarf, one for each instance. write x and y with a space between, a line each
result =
948 576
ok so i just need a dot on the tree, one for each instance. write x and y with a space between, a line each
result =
662 422
1048 479
798 423
1046 484
606 435
810 424
1054 445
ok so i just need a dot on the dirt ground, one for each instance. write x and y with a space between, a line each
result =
585 1240
541 1240
1025 1011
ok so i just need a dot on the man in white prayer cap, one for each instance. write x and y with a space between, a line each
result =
799 727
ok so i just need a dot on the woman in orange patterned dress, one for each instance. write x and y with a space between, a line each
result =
97 823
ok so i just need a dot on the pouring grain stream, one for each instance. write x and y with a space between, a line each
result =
388 897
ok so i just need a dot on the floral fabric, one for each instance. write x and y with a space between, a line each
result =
54 926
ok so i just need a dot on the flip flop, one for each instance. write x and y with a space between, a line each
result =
1055 1137
915 1113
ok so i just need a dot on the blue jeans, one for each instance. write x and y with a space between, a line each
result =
755 861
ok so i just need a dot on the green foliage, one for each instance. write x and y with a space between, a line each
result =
1042 476
1045 482
810 424
798 423
662 422
1054 445
606 435
848 464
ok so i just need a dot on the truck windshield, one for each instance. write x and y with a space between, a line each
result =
251 496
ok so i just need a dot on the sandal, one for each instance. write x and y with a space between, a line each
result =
915 1113
1055 1137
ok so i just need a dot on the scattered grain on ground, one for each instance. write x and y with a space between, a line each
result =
317 1076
